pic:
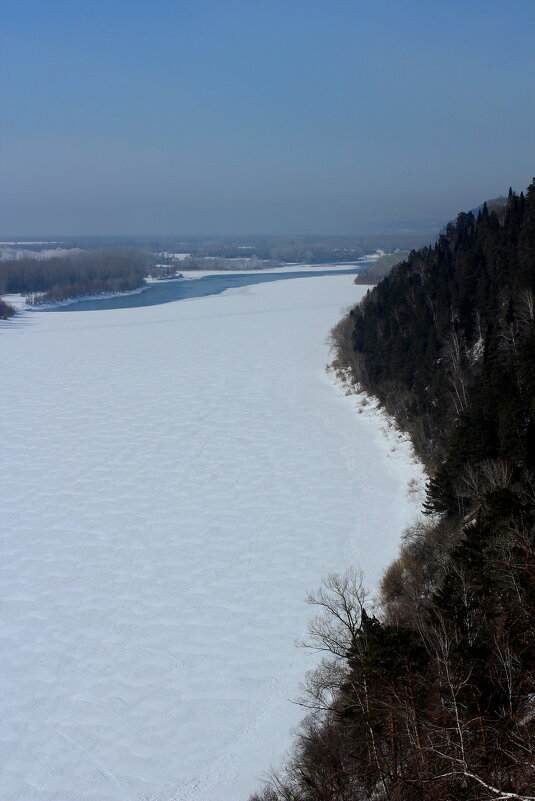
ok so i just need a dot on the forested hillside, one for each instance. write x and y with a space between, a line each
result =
432 694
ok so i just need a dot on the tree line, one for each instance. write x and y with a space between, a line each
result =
67 276
430 691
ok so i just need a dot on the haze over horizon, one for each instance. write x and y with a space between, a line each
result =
260 117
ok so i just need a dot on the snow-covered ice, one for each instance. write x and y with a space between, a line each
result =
174 480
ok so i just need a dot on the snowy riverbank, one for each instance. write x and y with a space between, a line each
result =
20 304
176 479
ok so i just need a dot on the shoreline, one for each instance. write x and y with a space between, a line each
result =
18 300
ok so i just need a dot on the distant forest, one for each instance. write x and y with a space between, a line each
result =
380 268
313 249
431 694
79 273
306 249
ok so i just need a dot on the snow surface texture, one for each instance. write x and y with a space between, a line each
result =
175 480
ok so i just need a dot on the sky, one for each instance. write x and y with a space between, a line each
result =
260 116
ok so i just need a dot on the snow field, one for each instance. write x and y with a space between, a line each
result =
175 480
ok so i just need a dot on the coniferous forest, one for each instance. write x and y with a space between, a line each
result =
430 692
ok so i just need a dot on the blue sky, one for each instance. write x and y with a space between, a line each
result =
303 116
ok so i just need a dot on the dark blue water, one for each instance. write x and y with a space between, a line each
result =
168 291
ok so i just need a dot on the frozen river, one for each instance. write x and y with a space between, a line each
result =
175 479
201 284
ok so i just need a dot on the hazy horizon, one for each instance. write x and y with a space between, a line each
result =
255 119
383 228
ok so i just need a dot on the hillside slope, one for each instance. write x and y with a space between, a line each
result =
434 693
